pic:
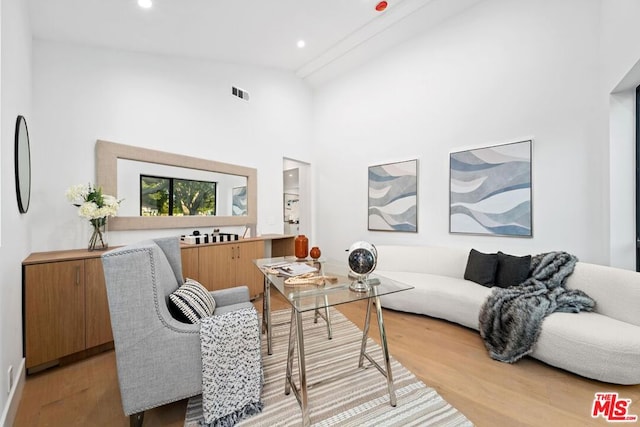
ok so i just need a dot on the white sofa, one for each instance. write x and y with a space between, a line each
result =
603 345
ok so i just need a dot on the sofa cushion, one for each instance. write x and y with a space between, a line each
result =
591 345
456 300
512 270
192 300
616 291
481 268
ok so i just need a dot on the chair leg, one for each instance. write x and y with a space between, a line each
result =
135 420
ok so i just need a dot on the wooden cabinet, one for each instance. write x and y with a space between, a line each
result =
190 264
65 306
65 309
227 265
54 310
97 317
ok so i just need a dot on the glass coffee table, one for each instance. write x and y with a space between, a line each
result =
318 298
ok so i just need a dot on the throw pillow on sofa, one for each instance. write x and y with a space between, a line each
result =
481 268
512 270
191 302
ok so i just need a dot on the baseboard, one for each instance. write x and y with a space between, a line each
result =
11 409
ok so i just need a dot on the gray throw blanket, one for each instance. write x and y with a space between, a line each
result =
511 318
231 367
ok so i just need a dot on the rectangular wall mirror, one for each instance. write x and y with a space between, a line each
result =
158 189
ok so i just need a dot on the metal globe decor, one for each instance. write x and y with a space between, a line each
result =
363 258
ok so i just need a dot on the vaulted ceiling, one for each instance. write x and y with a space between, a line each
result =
338 34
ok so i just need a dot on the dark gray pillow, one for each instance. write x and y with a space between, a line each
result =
481 268
512 270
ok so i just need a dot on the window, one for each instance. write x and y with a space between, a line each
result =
164 196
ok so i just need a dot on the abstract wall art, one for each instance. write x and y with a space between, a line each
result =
490 190
393 197
239 201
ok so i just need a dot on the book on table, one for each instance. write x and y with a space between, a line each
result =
292 269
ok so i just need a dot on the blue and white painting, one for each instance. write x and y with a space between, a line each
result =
490 190
393 197
239 201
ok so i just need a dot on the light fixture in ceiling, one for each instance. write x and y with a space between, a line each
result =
145 4
301 44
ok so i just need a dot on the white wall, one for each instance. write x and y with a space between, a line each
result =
15 87
170 104
502 71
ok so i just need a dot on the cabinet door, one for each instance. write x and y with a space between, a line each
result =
190 263
98 320
54 310
246 271
217 266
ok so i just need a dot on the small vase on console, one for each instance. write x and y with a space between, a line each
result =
315 252
301 247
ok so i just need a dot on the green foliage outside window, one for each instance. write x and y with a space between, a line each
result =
161 196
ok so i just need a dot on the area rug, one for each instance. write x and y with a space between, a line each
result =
346 396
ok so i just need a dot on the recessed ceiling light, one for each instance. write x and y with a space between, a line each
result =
301 44
145 4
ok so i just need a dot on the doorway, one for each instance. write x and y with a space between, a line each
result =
638 178
296 197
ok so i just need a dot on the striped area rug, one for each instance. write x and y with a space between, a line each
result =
352 396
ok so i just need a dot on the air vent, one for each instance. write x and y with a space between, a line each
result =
240 93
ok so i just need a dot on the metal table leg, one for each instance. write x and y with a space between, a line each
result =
288 379
327 317
386 371
266 313
302 369
385 353
301 391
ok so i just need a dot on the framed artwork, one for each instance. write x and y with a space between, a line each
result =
393 197
490 190
239 201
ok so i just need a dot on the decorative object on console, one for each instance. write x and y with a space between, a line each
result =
96 207
490 190
301 246
315 252
196 238
363 258
393 197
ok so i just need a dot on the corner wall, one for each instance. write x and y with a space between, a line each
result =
502 71
15 87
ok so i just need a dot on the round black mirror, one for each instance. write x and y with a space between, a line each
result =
22 164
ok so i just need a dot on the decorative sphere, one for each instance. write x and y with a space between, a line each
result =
362 258
315 252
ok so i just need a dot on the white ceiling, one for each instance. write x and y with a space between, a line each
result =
338 33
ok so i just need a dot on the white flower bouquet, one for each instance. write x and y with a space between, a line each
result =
96 207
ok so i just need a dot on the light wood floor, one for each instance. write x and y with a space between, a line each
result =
445 356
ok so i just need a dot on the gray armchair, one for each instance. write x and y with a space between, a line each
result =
158 358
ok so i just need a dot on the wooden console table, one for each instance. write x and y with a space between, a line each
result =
65 311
